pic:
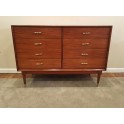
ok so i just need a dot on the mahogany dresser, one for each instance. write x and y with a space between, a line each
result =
61 49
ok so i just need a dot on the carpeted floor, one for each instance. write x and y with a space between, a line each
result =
62 91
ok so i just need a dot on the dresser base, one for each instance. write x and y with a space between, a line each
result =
63 71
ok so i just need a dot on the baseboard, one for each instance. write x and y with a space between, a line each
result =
8 70
14 70
112 70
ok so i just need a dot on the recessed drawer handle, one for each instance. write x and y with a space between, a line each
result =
37 32
84 54
85 33
85 44
84 63
36 44
38 54
39 63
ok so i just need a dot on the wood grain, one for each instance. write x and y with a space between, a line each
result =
28 45
38 54
39 63
84 53
60 49
77 33
93 43
95 63
46 32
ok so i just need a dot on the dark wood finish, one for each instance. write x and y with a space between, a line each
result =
108 45
81 43
37 32
98 78
61 49
37 44
86 63
39 63
24 77
86 32
61 71
41 54
84 53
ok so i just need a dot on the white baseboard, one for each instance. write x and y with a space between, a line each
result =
111 70
14 70
8 70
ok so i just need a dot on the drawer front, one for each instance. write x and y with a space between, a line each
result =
29 45
86 32
85 43
37 32
87 53
47 54
39 64
96 63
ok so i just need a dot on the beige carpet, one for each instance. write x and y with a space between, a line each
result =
63 91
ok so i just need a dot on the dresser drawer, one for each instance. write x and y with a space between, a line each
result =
85 43
85 53
29 45
39 64
36 32
86 32
37 54
94 63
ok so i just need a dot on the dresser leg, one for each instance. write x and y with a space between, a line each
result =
24 77
98 77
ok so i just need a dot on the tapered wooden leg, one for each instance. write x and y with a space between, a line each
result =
24 77
98 77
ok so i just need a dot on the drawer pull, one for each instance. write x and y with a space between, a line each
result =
36 44
37 32
39 63
84 63
84 54
85 44
38 54
85 33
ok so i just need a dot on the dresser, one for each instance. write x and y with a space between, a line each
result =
61 49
